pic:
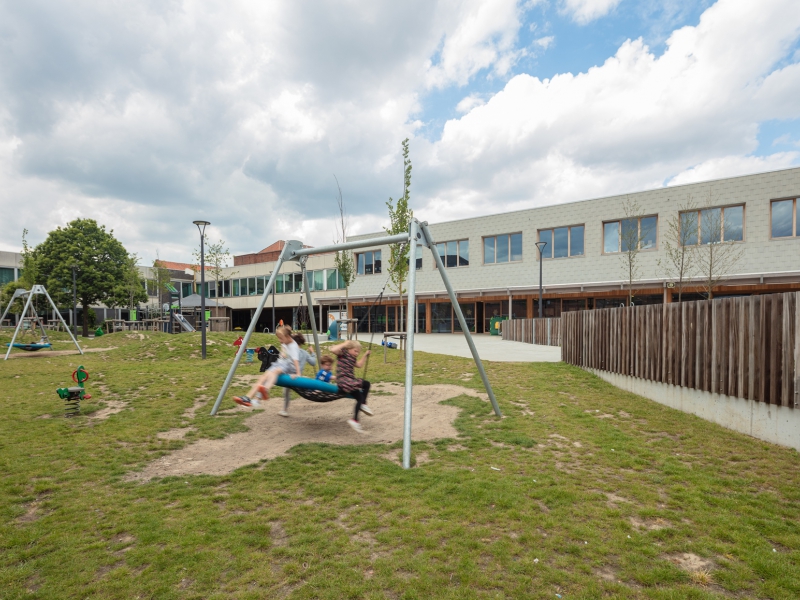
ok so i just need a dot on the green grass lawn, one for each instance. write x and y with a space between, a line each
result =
582 491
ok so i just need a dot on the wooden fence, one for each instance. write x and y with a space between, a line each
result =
546 332
744 347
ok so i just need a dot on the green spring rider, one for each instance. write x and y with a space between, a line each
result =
73 395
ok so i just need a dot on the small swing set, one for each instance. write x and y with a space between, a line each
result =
317 391
30 316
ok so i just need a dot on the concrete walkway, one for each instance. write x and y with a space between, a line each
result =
490 347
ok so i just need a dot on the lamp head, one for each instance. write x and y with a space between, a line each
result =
201 225
540 246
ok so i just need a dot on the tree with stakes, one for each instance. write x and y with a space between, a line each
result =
217 257
680 244
632 234
716 255
132 288
400 216
159 284
344 261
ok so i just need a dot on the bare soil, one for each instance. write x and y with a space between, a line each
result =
271 435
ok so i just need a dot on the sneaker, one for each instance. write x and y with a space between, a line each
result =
284 413
264 392
355 425
366 410
243 400
255 402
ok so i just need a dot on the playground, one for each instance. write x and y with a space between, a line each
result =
579 491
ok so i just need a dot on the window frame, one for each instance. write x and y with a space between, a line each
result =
569 241
495 236
795 227
722 207
457 254
358 255
619 238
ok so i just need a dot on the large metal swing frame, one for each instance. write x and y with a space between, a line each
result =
35 291
418 235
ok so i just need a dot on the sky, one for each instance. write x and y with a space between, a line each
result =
148 115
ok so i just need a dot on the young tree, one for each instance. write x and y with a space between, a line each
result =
30 274
400 216
633 234
159 284
132 288
216 259
715 255
344 261
101 260
680 243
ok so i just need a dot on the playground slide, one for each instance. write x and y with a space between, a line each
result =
184 323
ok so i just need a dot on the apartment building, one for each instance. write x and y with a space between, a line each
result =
493 261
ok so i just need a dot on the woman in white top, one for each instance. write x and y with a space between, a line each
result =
288 363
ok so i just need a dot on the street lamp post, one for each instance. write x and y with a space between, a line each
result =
540 246
74 302
201 225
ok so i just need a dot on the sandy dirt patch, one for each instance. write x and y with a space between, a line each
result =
691 562
271 435
45 353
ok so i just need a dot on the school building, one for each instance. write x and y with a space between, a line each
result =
493 262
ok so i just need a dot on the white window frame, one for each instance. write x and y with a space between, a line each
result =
619 235
569 241
458 252
699 213
373 252
495 236
795 228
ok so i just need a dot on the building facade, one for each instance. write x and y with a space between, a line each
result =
10 267
493 261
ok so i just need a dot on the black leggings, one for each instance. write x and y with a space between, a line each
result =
361 397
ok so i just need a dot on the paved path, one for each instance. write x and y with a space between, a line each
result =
490 347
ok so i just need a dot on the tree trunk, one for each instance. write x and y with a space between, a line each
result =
85 319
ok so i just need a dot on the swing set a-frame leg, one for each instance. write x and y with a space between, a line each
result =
461 321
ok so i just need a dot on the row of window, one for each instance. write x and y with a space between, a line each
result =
285 283
704 226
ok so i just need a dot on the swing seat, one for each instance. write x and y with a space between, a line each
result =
312 389
31 347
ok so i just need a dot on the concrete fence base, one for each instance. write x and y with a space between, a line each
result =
769 422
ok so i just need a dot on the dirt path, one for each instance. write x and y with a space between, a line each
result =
271 435
46 353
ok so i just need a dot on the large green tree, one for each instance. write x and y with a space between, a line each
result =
102 263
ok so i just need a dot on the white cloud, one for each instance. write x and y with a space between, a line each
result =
147 116
585 11
484 37
237 111
631 123
731 166
470 102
